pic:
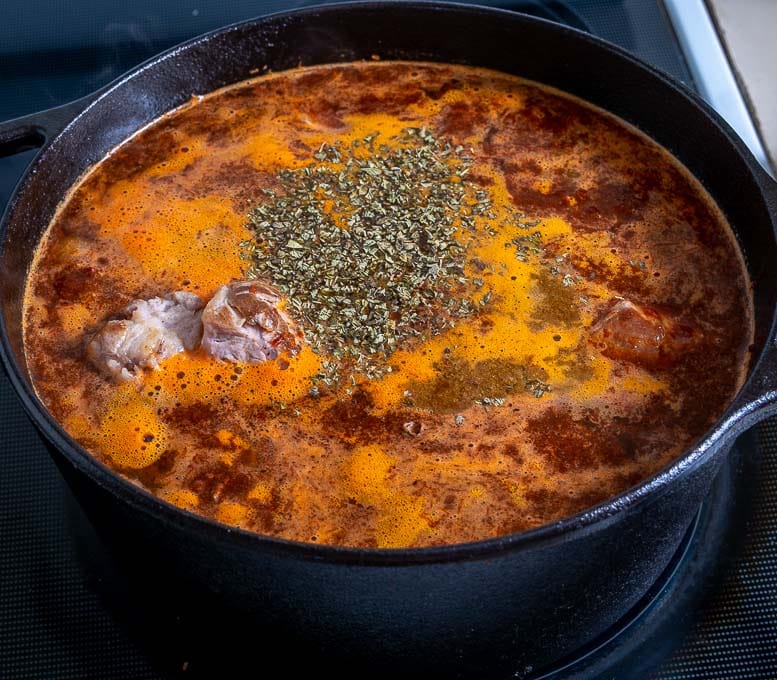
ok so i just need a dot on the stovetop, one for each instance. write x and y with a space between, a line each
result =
714 615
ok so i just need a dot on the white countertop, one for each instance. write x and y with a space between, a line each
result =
748 30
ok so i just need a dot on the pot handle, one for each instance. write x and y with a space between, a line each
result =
34 130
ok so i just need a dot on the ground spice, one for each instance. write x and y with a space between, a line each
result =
460 383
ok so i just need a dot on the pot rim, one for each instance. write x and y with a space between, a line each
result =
732 422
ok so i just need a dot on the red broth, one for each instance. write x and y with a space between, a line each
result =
603 324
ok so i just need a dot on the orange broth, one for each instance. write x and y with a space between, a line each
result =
456 443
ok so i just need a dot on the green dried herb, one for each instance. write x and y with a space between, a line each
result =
369 245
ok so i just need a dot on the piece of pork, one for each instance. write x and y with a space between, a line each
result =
644 335
243 323
150 331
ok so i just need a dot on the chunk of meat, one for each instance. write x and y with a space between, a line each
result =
643 335
244 323
150 331
320 114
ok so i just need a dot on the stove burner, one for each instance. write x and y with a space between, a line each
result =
554 10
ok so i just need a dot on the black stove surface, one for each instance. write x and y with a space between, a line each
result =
64 613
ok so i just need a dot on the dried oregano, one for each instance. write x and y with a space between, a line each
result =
368 243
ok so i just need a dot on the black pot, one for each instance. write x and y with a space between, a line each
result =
523 600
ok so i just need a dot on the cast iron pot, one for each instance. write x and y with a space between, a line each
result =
522 601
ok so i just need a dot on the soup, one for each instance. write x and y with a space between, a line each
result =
387 304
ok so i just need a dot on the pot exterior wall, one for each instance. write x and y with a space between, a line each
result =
531 605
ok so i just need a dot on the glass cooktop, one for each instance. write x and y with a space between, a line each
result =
715 614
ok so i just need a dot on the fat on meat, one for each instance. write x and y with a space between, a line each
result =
244 323
150 331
